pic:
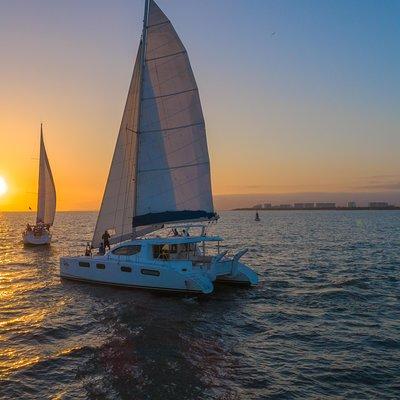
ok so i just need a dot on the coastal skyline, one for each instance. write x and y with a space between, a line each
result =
300 98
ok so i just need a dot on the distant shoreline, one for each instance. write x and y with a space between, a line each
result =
319 209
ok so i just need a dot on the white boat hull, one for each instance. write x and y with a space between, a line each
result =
103 270
30 238
173 276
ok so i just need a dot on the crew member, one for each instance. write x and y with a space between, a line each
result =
106 239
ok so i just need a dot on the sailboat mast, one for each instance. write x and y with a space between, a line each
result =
40 174
142 68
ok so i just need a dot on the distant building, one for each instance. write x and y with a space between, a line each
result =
267 205
257 206
325 205
378 204
300 206
285 206
351 204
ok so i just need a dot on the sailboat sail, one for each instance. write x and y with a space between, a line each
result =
118 203
160 171
47 192
173 164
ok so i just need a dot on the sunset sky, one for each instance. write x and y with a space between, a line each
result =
298 96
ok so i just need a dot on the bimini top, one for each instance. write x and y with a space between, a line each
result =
160 171
175 240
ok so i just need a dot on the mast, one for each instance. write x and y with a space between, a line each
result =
40 174
142 68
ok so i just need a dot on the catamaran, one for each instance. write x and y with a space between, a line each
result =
39 233
159 182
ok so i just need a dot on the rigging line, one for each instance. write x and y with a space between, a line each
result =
167 55
160 23
174 128
131 130
169 94
173 168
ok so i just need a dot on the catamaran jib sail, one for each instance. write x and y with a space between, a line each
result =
46 208
160 171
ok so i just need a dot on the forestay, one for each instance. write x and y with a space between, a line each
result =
46 208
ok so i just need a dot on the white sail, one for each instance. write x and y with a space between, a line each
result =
173 164
118 203
160 170
47 192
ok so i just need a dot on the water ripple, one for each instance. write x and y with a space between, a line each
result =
323 323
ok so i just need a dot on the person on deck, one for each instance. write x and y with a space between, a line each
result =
88 250
106 239
101 249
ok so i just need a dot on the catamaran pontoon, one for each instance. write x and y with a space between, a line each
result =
160 174
177 263
39 234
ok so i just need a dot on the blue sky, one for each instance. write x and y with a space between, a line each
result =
299 96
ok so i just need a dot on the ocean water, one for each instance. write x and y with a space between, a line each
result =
323 323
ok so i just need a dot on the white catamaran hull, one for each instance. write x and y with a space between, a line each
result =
173 276
36 240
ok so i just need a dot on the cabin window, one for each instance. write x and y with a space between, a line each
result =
84 264
163 251
126 269
127 250
152 272
100 266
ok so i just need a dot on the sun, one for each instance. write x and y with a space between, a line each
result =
3 186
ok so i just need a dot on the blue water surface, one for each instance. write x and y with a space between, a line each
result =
323 323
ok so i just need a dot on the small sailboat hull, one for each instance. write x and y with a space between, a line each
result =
29 238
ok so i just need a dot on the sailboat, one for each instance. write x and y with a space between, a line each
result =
257 218
148 232
39 233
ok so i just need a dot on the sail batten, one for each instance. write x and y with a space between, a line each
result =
166 55
173 128
46 207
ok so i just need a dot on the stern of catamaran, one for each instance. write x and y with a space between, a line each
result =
205 253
